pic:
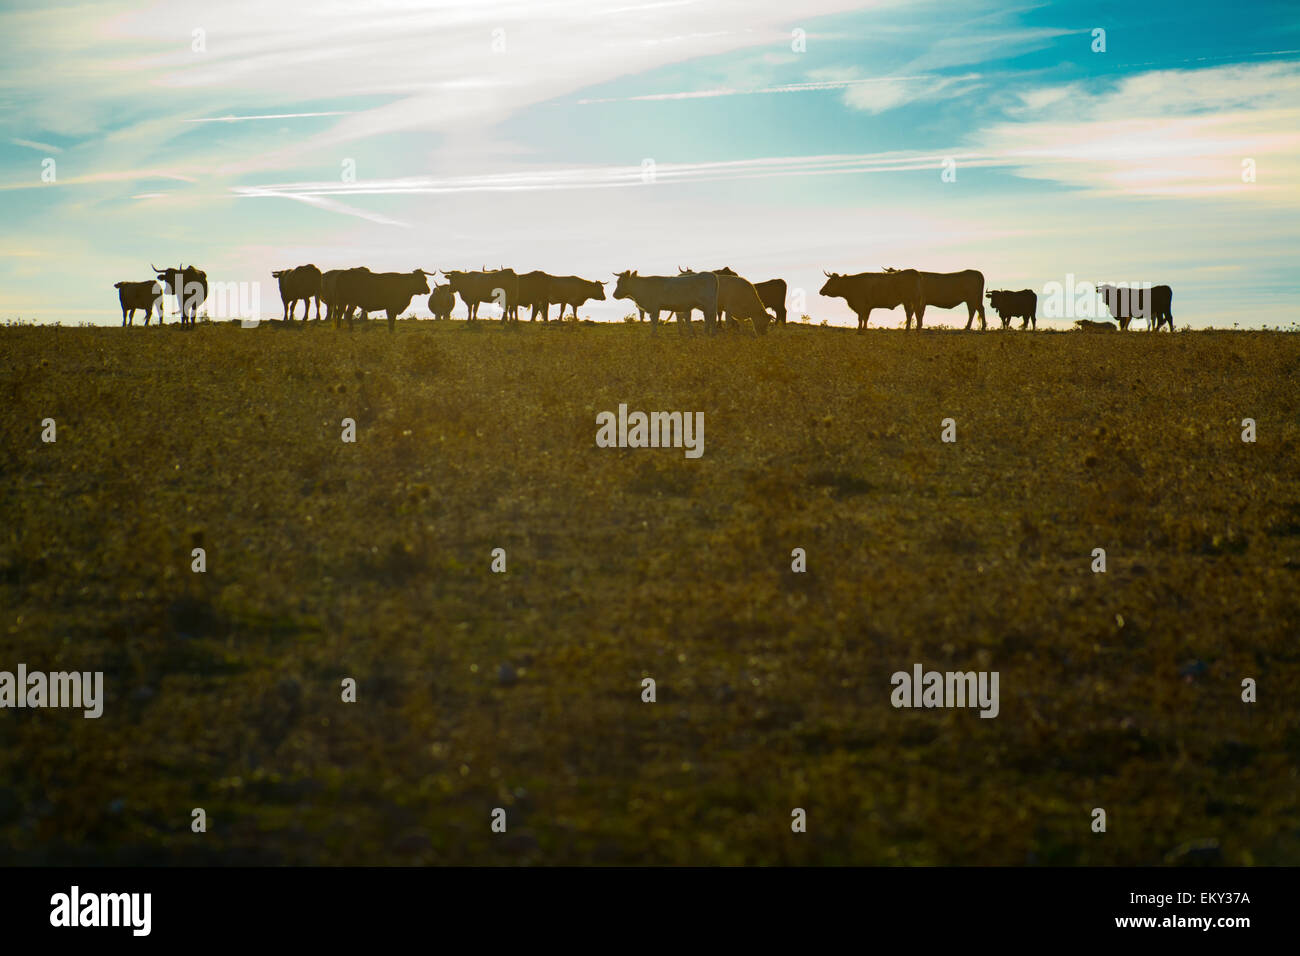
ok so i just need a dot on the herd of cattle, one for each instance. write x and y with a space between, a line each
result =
720 294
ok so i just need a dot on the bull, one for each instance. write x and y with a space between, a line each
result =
877 290
681 294
500 286
573 291
190 286
387 292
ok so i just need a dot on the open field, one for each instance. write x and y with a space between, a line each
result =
371 560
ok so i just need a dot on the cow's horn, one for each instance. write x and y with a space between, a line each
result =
825 273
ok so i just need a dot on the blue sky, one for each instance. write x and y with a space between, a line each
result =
522 134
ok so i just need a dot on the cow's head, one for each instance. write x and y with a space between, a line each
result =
170 278
725 271
597 289
836 285
420 281
622 288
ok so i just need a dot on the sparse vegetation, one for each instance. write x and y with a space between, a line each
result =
476 690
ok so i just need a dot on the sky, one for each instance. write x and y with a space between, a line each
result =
586 137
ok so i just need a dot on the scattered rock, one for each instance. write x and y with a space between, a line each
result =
506 675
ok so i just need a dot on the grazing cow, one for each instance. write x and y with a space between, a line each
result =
1010 305
333 285
139 295
947 290
1153 303
877 290
738 299
573 291
441 301
302 283
500 286
532 289
772 291
189 285
1088 325
387 292
680 294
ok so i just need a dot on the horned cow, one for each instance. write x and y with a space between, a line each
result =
387 292
866 291
474 288
681 294
189 285
573 291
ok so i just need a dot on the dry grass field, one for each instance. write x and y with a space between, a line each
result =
522 690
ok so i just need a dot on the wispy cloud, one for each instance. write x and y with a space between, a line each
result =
30 144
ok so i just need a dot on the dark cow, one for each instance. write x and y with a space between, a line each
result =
1088 325
573 291
333 285
772 291
877 290
387 292
139 295
1010 305
500 286
302 283
441 301
189 285
1153 303
681 294
947 290
531 293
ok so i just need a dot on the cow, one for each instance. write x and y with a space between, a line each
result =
531 292
139 295
302 283
947 290
1153 303
1010 305
738 299
500 286
189 285
680 294
333 285
441 301
387 292
1088 325
772 291
877 290
573 291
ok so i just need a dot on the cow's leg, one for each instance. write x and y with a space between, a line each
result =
654 319
980 307
392 319
124 316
